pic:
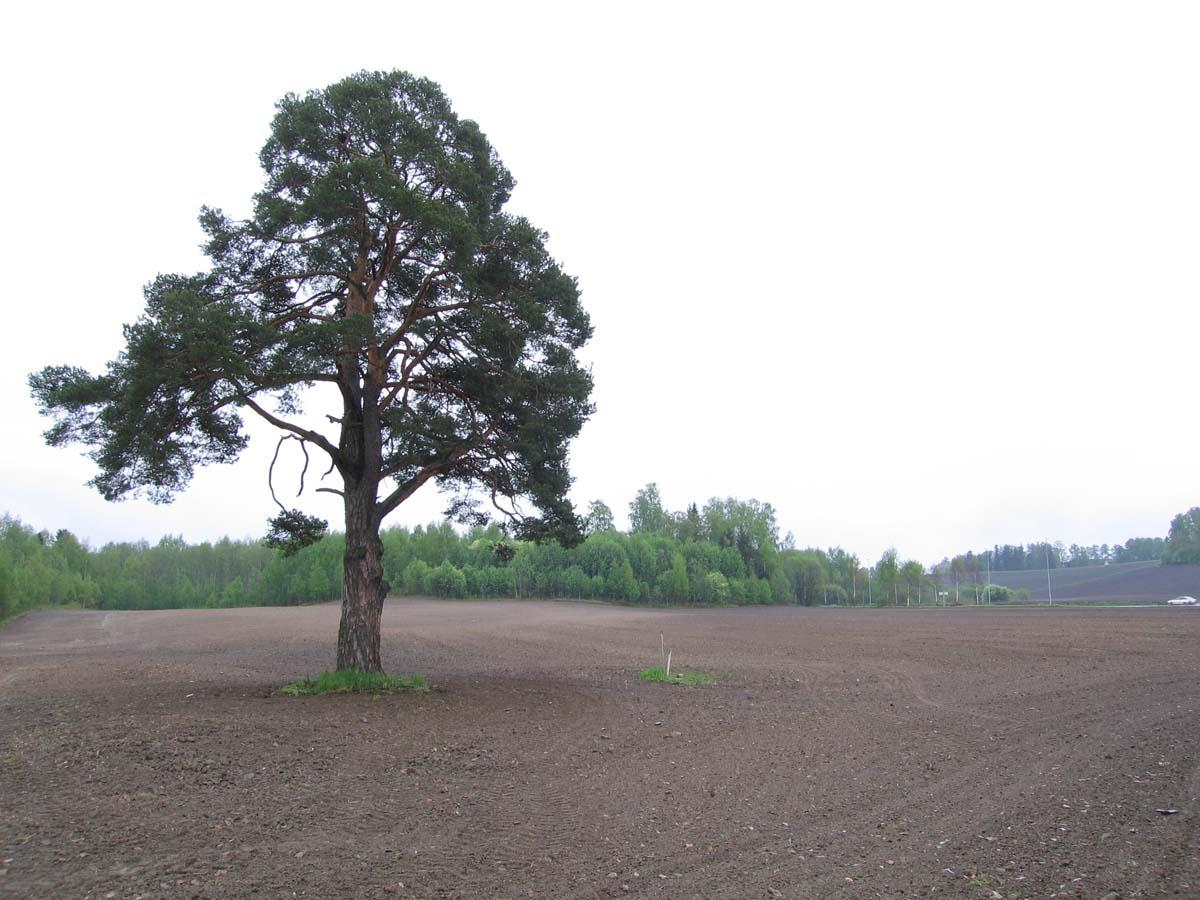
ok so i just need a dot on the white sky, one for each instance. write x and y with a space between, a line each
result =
918 274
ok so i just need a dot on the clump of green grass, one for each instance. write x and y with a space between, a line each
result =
658 673
345 681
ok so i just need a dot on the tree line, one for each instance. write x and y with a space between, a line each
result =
1057 555
727 551
1182 545
43 568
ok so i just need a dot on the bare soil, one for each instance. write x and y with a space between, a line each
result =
851 753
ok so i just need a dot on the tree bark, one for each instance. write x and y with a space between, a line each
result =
364 587
361 462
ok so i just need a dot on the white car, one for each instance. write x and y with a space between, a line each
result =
1183 601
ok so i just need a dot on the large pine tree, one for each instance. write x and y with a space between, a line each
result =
378 260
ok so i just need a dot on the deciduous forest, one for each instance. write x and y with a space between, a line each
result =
726 551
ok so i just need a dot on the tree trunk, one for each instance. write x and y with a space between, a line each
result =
361 463
364 587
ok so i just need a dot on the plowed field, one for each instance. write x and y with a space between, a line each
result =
849 753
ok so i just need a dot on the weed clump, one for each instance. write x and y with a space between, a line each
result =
659 673
346 681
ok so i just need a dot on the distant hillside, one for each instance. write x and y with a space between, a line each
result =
1124 581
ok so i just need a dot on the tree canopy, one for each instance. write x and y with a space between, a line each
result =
1183 540
646 513
599 517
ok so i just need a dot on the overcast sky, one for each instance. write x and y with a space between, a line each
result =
918 274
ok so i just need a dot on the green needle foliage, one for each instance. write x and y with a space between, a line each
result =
345 681
291 531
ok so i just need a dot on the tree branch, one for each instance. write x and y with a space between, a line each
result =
275 458
318 439
258 286
303 240
414 309
271 474
408 488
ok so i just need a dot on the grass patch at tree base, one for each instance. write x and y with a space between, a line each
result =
347 681
658 673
